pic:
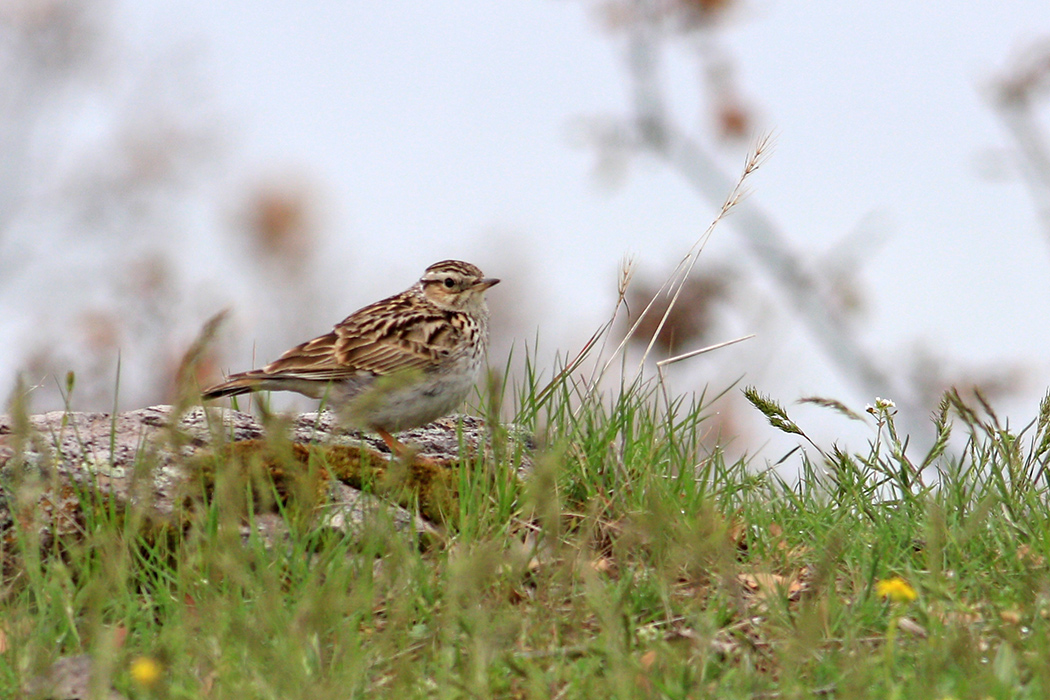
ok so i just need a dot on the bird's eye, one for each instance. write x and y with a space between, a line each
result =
450 283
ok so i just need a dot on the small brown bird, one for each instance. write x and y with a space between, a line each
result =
396 364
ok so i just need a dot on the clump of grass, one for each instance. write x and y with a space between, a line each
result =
629 563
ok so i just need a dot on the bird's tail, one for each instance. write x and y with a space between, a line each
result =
237 384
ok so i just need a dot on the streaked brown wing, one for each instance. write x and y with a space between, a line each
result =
386 337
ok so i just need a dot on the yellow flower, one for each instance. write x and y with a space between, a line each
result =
146 671
896 589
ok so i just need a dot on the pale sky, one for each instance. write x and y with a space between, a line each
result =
445 130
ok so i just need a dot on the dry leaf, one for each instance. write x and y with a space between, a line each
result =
959 617
762 585
906 624
737 535
1026 555
120 634
1012 617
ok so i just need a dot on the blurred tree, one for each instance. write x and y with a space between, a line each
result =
113 243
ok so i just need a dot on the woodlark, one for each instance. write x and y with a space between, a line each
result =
396 364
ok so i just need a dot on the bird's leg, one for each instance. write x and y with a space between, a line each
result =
397 448
408 454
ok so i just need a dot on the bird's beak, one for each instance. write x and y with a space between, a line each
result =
485 283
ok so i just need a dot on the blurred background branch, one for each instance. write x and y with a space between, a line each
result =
821 291
1017 97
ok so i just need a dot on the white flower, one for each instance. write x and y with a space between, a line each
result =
882 407
884 404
